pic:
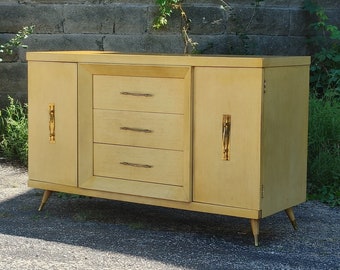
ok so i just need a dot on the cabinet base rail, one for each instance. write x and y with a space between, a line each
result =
254 223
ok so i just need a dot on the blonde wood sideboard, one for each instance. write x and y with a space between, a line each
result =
216 134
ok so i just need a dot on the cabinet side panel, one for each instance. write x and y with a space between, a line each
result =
52 84
284 138
222 93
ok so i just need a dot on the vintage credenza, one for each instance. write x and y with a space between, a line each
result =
217 134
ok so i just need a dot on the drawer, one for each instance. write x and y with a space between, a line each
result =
139 164
147 94
153 130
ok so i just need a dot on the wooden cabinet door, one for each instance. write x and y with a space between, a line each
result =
234 94
52 104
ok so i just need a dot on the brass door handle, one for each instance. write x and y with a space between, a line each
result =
51 124
136 94
136 165
136 129
226 128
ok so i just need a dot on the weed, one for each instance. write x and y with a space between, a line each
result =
324 108
324 150
14 132
15 42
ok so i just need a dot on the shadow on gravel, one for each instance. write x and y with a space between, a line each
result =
175 237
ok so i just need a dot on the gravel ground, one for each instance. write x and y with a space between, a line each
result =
75 232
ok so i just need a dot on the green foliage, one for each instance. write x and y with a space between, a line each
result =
324 109
15 42
13 119
14 132
325 42
324 149
166 8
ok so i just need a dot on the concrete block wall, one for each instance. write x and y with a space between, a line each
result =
276 27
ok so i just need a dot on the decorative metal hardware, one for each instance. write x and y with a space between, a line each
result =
226 128
137 129
51 125
136 165
136 94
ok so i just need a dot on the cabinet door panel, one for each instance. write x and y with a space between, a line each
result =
236 93
52 83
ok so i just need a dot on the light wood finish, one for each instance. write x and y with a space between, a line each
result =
255 227
140 164
284 138
152 129
102 192
46 195
52 83
99 57
218 92
98 173
291 216
139 93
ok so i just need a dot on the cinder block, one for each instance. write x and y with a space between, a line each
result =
13 78
131 19
164 44
259 21
46 18
89 19
64 42
207 20
279 45
211 44
144 43
124 43
299 22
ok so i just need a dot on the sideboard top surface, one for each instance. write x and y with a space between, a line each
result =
108 57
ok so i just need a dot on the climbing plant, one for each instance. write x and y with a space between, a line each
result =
16 41
167 7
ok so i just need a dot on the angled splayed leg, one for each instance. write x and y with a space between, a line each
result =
46 195
255 227
291 217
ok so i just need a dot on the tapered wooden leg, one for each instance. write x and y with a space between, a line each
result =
255 227
291 217
46 195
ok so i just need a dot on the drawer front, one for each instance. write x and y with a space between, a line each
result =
145 94
139 164
139 129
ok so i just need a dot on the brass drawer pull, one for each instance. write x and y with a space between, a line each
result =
51 124
136 94
136 165
226 127
136 129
